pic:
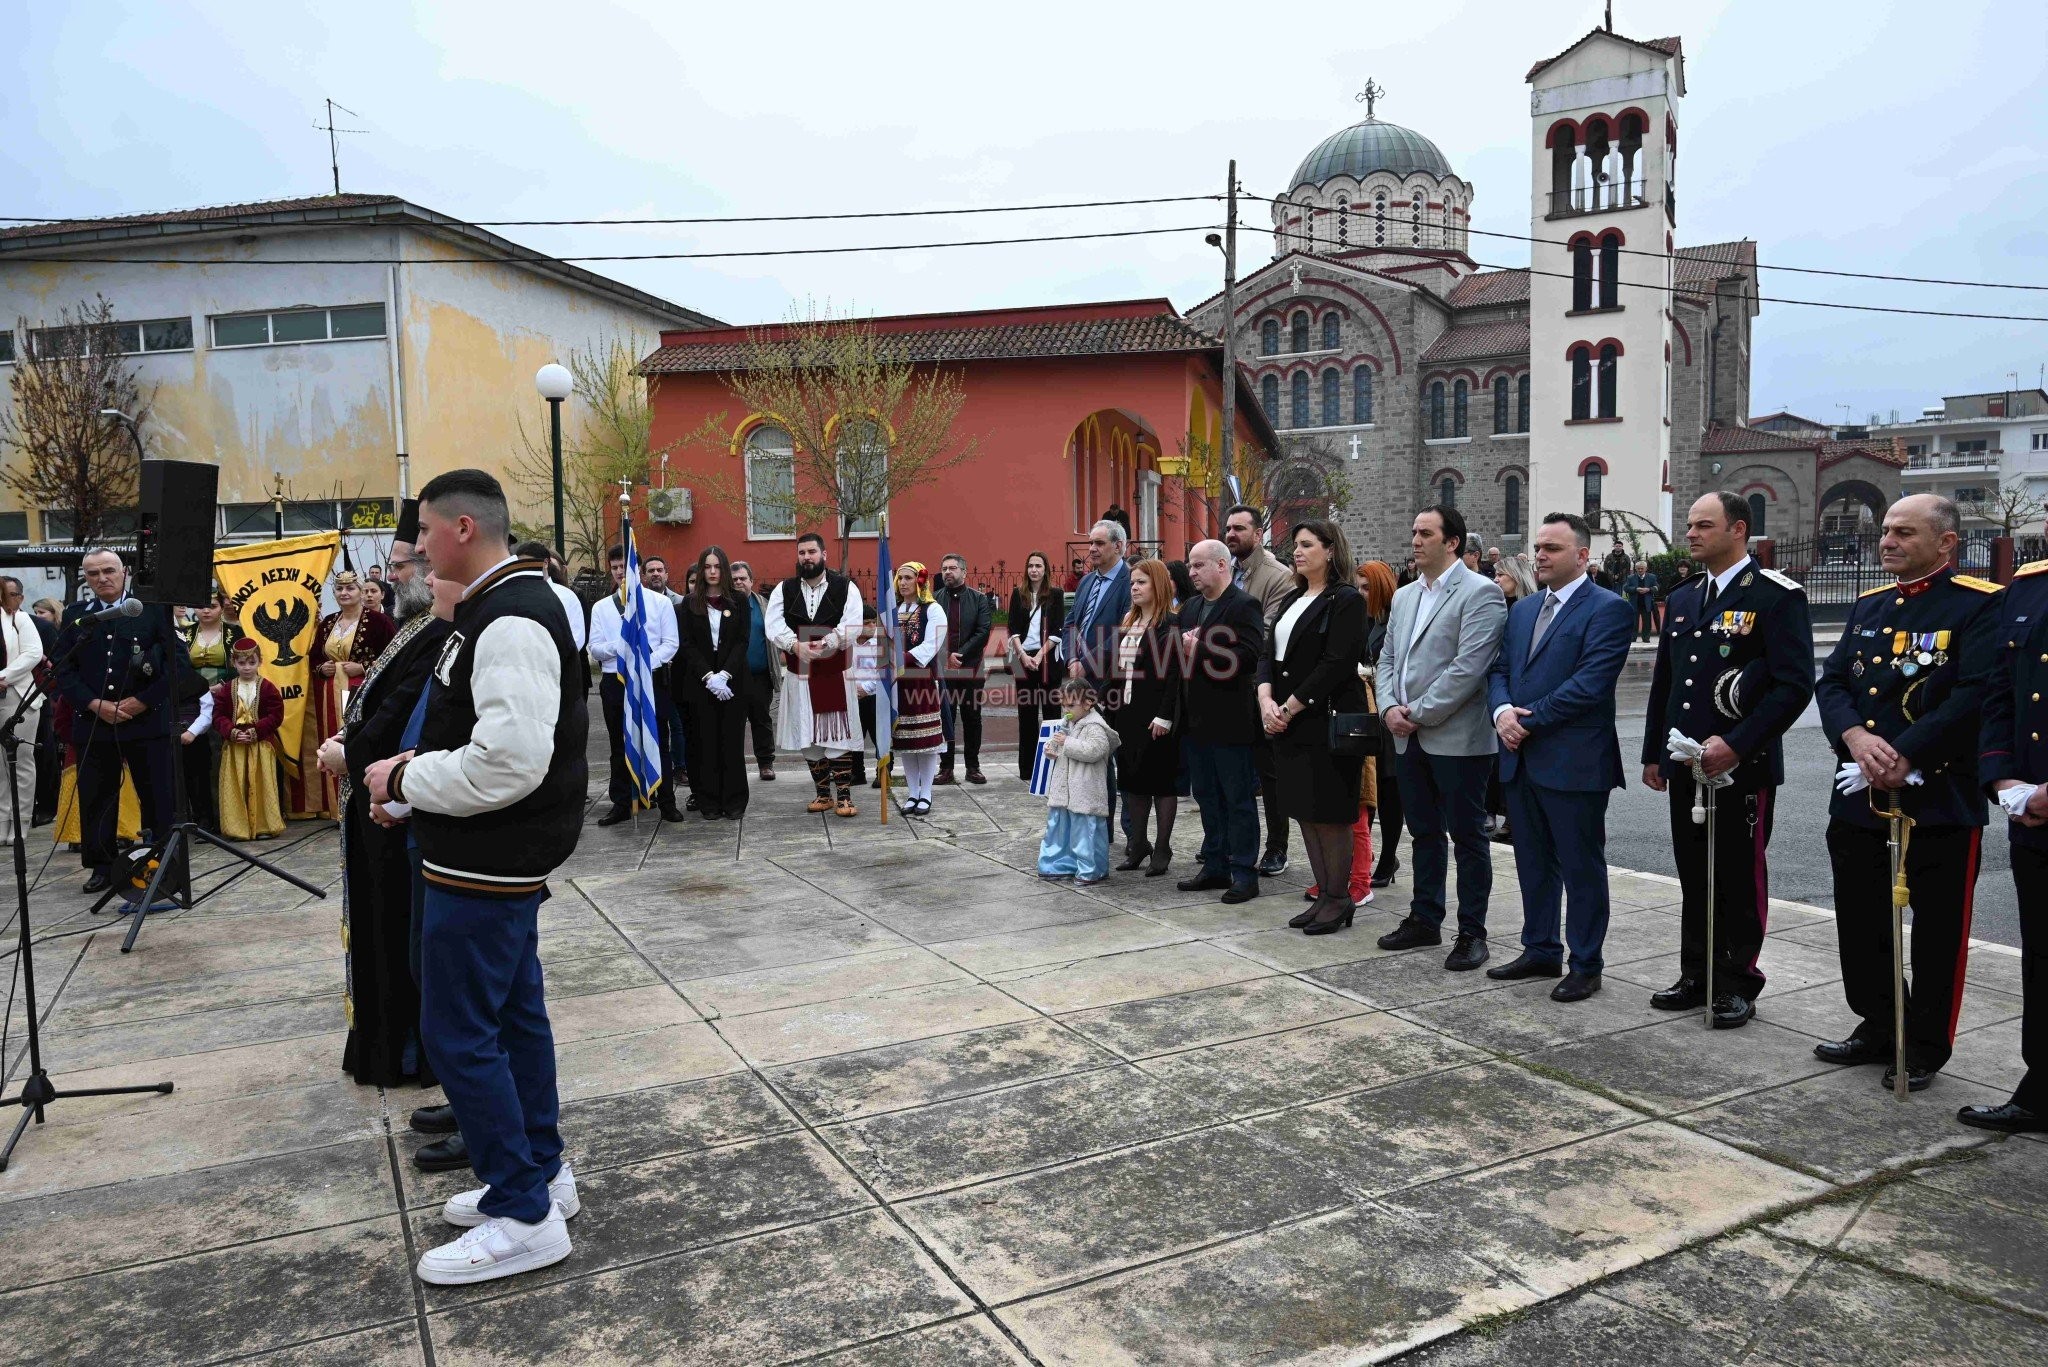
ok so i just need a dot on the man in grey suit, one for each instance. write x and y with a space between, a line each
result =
1442 634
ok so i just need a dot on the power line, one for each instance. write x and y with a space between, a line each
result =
1761 265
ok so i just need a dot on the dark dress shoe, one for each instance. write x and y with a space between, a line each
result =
2008 1119
689 804
1466 954
1306 914
433 1120
1383 880
734 813
1917 1079
1161 857
443 1155
100 881
767 773
709 813
875 782
1134 858
1410 934
1853 1050
620 812
1327 923
1203 882
1732 1011
1272 863
976 776
1576 987
1526 966
1683 995
945 776
671 812
1239 892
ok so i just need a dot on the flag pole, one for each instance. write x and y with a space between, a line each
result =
884 761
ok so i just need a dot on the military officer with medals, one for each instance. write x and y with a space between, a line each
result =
2012 764
1734 670
1901 697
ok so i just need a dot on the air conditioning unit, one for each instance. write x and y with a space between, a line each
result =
669 507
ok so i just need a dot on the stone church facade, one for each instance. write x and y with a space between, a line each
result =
1400 374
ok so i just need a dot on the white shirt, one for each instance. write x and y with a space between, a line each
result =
572 605
607 641
1428 599
24 649
1727 576
1283 630
1031 637
202 723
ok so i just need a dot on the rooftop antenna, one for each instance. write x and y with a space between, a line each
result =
334 147
1372 94
1610 16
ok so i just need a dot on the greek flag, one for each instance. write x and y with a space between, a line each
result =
885 687
636 672
1041 766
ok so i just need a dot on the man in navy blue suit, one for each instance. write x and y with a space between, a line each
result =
1552 694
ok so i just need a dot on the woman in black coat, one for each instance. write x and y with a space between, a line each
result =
710 680
1310 670
1037 610
1144 704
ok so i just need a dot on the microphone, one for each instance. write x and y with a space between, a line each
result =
127 607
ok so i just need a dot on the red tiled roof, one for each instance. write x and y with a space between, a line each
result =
1160 333
1884 450
202 215
1783 416
1670 47
1479 340
1729 441
1696 269
1490 287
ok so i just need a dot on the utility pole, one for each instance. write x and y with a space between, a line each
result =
1230 328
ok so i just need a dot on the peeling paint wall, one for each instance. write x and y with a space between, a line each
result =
470 335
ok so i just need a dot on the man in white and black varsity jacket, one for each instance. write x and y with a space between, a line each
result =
494 790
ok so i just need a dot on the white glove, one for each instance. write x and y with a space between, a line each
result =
1686 750
2015 800
1849 779
720 689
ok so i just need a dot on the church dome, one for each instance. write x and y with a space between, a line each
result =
1371 146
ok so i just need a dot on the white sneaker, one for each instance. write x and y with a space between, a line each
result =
462 1209
497 1248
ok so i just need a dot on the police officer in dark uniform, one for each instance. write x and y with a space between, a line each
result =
1734 670
118 681
2013 756
1900 695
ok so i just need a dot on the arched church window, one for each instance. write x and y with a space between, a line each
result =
1459 404
1582 275
1757 506
1436 409
1269 337
1269 398
1361 394
1331 326
1582 382
1500 403
1610 270
1511 494
1522 404
1333 397
1298 414
1632 157
1343 224
1415 220
1309 239
1447 492
1591 481
1379 219
1297 329
1610 359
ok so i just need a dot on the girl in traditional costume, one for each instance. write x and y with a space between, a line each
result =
917 640
247 710
347 642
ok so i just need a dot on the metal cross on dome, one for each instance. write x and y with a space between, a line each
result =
1372 93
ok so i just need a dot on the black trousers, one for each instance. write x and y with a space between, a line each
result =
2030 879
611 695
1036 705
1742 836
202 779
717 749
1269 791
99 791
962 707
1941 874
761 717
49 765
873 741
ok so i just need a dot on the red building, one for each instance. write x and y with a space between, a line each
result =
1074 407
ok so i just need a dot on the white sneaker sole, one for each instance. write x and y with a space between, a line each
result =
530 1261
463 1217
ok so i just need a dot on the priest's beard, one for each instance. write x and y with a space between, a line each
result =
412 598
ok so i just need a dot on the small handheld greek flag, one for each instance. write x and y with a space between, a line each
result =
635 671
1041 767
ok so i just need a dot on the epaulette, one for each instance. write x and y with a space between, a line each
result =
2034 567
1784 581
1881 588
1971 581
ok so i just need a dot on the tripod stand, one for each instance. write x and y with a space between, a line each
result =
172 852
37 1091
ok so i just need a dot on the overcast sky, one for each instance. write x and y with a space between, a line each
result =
1875 136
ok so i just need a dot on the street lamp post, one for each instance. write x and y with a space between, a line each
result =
134 429
556 384
1226 242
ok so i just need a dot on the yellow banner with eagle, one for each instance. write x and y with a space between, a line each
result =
273 591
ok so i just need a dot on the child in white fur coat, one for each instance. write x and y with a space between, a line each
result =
1077 796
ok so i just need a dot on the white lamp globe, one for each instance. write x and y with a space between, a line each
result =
554 382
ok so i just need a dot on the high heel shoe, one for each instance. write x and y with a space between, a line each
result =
1306 915
1332 926
1161 857
1134 858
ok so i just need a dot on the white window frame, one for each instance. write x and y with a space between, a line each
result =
142 348
214 321
747 454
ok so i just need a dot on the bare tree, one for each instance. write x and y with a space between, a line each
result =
611 440
72 457
2010 505
868 423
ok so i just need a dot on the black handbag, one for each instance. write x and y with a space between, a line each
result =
1354 734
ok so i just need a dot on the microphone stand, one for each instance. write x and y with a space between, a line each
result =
37 1091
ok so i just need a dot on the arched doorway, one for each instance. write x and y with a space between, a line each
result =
1113 462
1295 490
1854 505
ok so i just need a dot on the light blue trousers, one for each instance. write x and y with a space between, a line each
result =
1074 846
